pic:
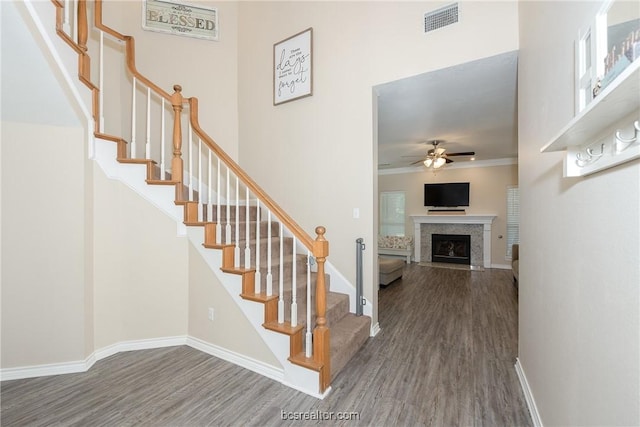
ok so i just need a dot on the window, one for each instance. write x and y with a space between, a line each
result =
513 218
392 213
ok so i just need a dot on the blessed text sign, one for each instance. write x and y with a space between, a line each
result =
292 71
181 19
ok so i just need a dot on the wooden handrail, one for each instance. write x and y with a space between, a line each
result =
306 240
130 49
80 47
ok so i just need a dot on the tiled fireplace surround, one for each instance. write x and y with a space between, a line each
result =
476 226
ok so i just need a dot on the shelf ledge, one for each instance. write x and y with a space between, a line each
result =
619 99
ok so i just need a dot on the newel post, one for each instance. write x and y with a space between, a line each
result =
83 29
83 35
321 334
176 161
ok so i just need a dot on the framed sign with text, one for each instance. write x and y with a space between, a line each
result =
180 19
292 67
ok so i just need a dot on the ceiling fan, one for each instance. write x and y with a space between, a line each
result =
436 157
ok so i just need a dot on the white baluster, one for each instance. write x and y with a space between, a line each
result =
190 172
74 11
258 274
218 220
66 26
247 249
200 196
101 82
162 165
227 239
308 335
209 204
237 248
294 291
133 120
147 145
281 279
269 278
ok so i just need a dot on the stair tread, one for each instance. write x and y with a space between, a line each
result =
136 161
237 270
284 328
307 362
347 337
261 297
161 182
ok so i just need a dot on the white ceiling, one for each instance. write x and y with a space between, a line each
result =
472 107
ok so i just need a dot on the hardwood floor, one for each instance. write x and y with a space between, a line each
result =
444 357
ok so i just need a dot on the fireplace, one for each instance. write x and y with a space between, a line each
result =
477 226
451 248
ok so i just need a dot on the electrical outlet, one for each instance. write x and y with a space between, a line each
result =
210 314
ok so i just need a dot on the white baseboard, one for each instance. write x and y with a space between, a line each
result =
528 395
145 344
501 266
84 365
8 374
375 329
237 359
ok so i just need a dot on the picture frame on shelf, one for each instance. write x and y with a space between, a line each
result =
293 67
604 49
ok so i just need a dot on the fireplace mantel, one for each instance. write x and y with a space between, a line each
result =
485 220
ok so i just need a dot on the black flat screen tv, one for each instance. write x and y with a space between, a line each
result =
451 194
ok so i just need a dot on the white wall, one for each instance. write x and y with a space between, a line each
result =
579 256
315 156
488 195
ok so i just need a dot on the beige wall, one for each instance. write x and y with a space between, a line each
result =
230 329
488 195
205 69
87 262
140 267
579 296
316 155
44 226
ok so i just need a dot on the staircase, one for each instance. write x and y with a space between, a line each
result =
256 249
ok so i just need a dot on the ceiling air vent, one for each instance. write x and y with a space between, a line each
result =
441 17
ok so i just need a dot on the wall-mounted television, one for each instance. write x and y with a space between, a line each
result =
449 194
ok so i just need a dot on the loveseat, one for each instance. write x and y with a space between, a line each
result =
515 262
396 245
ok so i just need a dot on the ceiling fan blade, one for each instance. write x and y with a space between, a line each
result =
468 153
439 151
448 160
415 163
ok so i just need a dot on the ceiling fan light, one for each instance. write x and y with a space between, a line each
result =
428 162
439 162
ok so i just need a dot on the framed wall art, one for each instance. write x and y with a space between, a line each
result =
181 19
293 67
